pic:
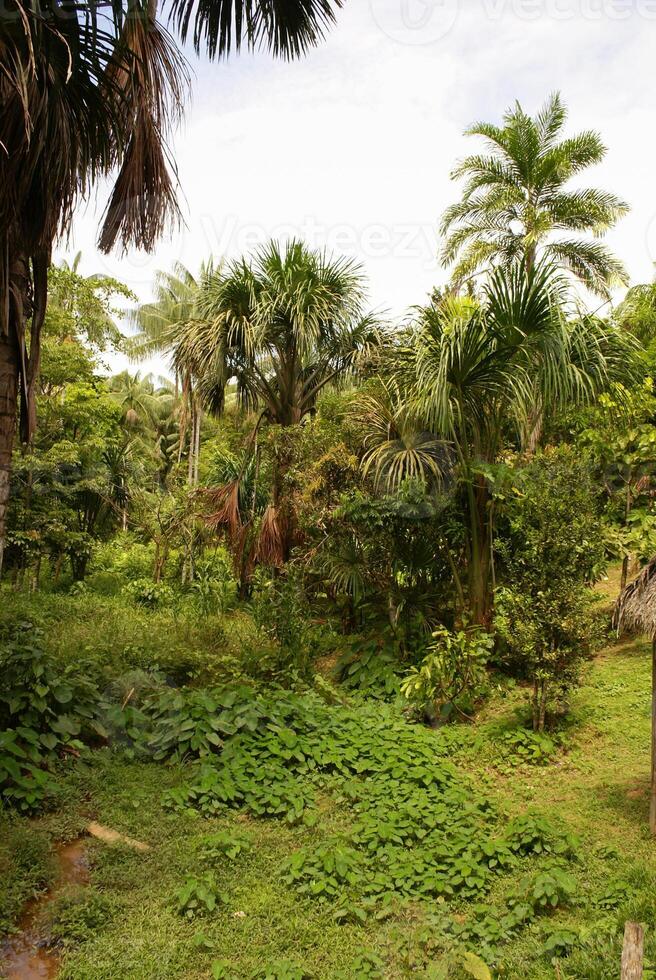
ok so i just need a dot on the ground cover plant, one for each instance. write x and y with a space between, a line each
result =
300 837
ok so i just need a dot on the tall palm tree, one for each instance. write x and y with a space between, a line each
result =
281 327
89 89
160 326
475 366
516 205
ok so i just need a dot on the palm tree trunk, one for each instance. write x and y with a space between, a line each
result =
199 416
192 446
479 584
8 412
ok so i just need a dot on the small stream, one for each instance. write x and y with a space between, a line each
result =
26 955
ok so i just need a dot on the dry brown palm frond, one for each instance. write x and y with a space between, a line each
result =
225 503
153 77
635 609
271 541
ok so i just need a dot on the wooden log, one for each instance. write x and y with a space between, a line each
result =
110 836
632 953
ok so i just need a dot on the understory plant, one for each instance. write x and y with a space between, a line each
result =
550 550
46 711
451 676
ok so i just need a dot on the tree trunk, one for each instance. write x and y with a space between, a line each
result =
625 572
479 583
199 418
8 412
192 448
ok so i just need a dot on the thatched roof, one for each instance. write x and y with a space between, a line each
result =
635 609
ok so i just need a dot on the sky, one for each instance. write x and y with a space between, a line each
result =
352 147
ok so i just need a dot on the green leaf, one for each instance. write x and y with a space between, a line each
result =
475 967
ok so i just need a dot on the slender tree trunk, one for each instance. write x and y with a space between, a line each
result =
625 560
480 598
8 412
199 418
192 447
625 572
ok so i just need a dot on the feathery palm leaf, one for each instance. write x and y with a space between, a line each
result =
515 204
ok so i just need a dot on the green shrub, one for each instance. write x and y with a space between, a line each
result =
560 943
526 747
199 895
124 557
553 889
452 675
196 722
45 710
370 666
226 843
151 595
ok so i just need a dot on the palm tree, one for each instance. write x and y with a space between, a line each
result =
88 90
475 367
516 206
281 327
397 445
160 326
637 312
137 398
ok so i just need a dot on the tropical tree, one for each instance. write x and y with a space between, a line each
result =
160 326
89 90
472 370
516 205
280 327
138 399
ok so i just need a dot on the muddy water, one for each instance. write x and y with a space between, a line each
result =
26 956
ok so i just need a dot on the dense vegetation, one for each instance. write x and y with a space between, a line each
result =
320 614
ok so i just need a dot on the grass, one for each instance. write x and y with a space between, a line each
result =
126 923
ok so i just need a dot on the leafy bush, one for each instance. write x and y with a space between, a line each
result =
370 666
528 747
325 871
213 595
451 676
199 895
151 595
560 943
553 889
192 722
226 843
549 550
45 710
534 835
124 557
